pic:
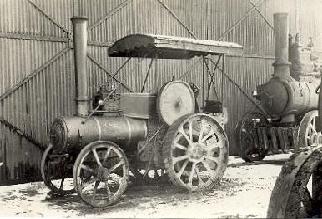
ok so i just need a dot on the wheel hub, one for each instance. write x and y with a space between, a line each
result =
103 173
196 151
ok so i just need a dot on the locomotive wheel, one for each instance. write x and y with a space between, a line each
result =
294 196
307 134
195 152
54 171
246 137
101 173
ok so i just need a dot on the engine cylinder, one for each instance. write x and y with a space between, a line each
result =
75 132
280 98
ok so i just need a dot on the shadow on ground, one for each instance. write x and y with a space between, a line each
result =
143 197
279 162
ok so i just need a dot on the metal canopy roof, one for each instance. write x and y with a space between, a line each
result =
169 47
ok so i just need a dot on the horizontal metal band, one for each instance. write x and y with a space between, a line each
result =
30 36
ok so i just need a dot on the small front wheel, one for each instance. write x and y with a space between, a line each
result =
101 173
56 171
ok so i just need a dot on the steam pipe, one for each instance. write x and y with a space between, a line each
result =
80 53
281 31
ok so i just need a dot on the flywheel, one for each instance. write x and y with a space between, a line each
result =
298 189
175 99
195 152
101 173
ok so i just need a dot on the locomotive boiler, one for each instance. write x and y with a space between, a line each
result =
156 134
288 101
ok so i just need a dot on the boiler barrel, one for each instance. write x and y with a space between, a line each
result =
282 97
76 132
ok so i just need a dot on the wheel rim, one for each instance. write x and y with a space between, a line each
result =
311 135
101 174
297 191
198 153
56 172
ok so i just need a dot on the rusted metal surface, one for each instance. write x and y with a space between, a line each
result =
291 197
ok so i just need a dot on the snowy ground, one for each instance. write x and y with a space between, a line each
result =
244 192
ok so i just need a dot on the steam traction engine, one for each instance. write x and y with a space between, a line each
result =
288 102
165 131
298 189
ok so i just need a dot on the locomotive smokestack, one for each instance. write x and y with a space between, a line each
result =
80 52
281 30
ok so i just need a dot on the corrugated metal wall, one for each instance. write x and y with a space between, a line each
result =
37 76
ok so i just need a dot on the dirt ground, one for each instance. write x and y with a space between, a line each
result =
244 192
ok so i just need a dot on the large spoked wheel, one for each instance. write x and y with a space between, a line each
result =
247 137
298 189
101 173
307 134
56 171
195 152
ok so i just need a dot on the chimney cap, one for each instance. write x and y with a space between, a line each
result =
79 18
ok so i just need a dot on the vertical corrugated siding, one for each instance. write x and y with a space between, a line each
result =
50 93
32 107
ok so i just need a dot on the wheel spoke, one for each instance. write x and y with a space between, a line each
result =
86 183
83 166
62 183
201 131
312 128
206 165
190 130
108 190
116 166
183 133
214 159
177 145
95 190
211 132
180 158
96 157
107 154
201 182
183 167
192 173
217 144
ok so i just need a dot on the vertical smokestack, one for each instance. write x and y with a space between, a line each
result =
281 30
80 53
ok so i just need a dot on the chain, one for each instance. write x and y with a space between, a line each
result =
21 133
